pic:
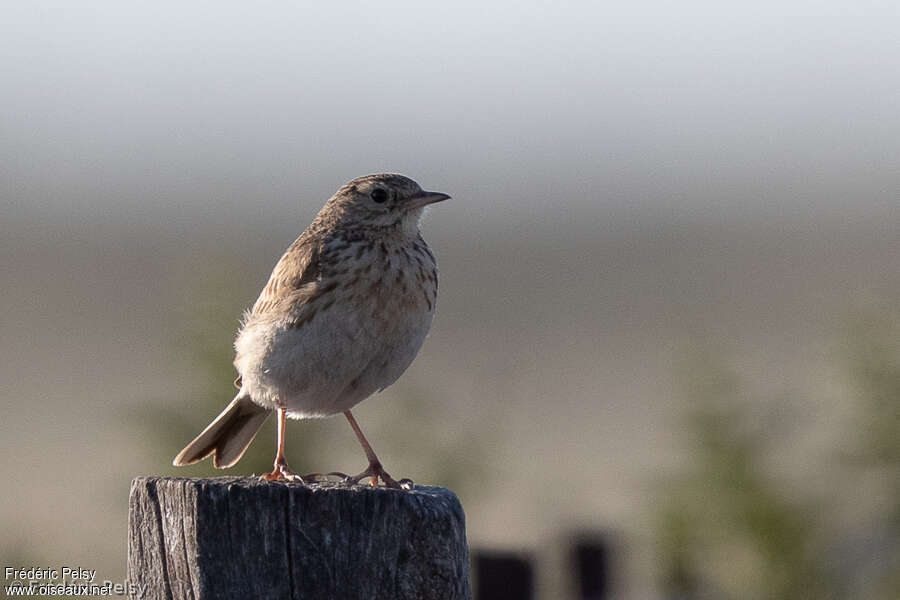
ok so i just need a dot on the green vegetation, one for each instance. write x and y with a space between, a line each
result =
728 527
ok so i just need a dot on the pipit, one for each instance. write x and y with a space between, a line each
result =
342 316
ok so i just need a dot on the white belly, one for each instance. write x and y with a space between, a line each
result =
335 360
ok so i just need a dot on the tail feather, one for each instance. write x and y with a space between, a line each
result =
227 437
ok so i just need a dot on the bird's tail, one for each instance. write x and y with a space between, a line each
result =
228 436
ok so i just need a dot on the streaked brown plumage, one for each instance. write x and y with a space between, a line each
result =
343 314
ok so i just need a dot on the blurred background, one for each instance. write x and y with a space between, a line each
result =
666 356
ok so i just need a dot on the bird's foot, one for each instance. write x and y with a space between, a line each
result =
374 472
282 472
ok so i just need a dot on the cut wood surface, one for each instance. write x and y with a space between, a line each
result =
232 537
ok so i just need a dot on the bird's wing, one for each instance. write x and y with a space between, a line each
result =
298 266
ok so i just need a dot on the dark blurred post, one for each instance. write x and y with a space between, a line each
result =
503 576
591 558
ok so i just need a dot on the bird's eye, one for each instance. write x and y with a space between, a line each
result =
379 195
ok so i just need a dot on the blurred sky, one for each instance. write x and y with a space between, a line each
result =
551 112
625 176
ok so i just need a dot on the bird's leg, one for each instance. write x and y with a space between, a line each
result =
281 471
374 470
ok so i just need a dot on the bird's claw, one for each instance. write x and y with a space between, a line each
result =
374 472
281 472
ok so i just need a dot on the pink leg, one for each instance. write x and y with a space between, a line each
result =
374 470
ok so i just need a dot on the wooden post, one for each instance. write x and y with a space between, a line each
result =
232 537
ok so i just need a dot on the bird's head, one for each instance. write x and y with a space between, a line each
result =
385 200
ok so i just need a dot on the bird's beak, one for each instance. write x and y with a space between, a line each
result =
424 198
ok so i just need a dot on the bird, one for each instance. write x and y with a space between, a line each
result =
343 314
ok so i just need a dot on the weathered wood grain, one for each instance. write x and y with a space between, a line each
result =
242 538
